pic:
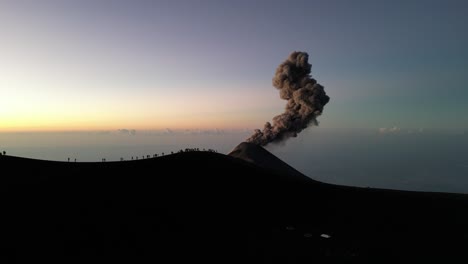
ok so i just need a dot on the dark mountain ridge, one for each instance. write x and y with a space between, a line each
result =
191 206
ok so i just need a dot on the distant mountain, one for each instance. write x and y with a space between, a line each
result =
261 157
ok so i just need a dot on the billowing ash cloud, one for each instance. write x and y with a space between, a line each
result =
306 99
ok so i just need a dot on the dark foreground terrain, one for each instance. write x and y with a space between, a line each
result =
200 207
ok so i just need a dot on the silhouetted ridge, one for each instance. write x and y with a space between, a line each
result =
207 207
261 157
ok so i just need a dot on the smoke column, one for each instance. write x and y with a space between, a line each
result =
306 99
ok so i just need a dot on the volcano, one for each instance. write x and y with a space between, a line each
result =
259 156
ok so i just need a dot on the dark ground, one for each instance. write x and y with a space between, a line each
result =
200 207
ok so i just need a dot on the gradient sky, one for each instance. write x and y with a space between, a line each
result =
99 65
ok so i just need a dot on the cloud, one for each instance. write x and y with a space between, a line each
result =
398 130
394 129
124 131
168 131
389 130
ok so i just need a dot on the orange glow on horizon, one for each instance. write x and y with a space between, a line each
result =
108 123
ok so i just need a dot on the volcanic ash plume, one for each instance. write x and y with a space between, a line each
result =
306 99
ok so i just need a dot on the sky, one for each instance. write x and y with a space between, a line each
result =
108 65
114 79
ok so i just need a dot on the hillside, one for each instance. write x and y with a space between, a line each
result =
214 208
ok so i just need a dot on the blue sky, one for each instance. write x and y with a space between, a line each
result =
90 65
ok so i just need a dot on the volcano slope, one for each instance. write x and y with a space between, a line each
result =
248 206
